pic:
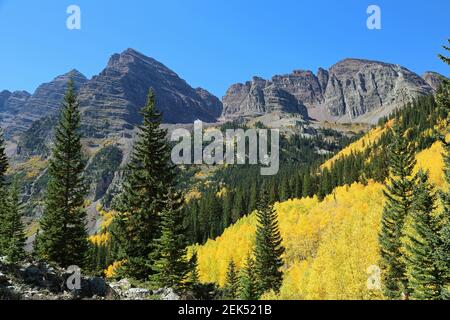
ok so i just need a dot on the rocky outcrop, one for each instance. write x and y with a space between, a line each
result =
11 105
40 281
434 79
259 96
353 90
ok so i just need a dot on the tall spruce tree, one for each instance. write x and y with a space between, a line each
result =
63 237
3 194
15 245
148 178
268 247
171 266
248 287
231 282
399 194
443 252
194 278
425 280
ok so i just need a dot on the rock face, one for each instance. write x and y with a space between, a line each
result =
112 100
260 96
22 109
352 90
434 79
11 104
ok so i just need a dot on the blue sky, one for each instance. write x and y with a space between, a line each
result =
215 43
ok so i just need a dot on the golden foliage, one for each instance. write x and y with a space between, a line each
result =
369 139
329 245
103 237
111 271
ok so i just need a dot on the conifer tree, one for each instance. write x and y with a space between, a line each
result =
171 266
306 188
15 249
63 237
232 282
248 288
3 195
424 277
268 247
443 252
399 194
194 278
148 178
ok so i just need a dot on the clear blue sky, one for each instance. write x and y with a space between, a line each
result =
215 43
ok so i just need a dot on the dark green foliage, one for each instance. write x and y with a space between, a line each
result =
15 236
248 289
443 251
268 247
3 194
425 280
444 58
244 183
171 266
232 282
194 279
399 195
63 238
148 177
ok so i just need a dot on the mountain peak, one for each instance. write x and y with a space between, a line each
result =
72 74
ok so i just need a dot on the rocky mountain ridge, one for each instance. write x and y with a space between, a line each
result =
352 90
111 101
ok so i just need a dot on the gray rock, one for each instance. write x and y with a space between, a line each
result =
21 109
112 100
353 90
434 79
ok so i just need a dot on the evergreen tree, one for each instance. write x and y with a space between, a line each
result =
15 245
232 282
248 288
268 248
3 194
443 252
424 277
306 189
63 239
194 278
171 267
148 178
399 194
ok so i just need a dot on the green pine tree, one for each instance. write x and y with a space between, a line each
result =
307 185
3 194
399 194
424 277
63 237
148 178
15 248
232 282
171 266
248 288
443 252
194 278
268 248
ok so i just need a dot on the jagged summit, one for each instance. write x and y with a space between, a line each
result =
352 90
111 100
